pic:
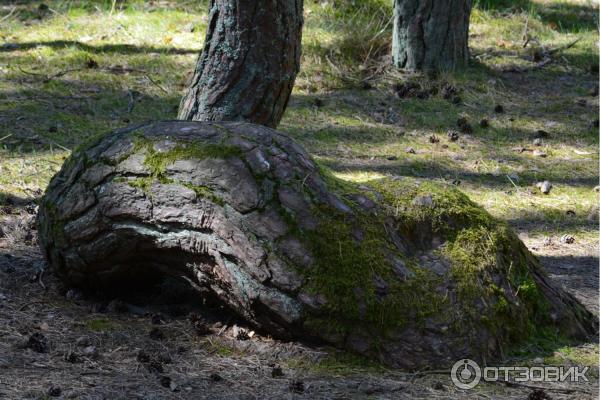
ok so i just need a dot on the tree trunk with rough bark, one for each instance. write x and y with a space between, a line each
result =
247 69
410 273
431 35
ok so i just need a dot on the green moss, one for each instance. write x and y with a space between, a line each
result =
543 341
205 192
158 161
347 272
578 355
451 211
100 324
222 349
528 290
480 249
338 363
144 183
502 306
479 254
472 252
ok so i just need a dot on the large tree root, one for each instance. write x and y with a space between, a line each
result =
412 274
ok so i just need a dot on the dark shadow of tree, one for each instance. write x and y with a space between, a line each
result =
105 48
578 273
430 169
10 201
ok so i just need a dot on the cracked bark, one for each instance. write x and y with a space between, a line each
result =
431 34
250 59
245 225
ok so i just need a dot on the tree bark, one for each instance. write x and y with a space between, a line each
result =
412 275
250 59
431 34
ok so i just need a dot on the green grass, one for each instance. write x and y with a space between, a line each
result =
337 363
99 325
356 129
578 355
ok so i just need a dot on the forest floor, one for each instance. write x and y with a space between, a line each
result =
72 69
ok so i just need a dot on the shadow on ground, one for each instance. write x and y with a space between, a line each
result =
579 274
105 48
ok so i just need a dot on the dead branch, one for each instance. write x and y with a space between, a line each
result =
562 48
131 102
526 32
534 67
7 16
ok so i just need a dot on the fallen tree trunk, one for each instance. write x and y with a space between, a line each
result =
409 273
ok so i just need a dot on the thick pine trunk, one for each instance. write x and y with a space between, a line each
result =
249 63
431 34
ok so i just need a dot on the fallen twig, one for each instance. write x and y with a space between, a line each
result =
30 73
64 72
539 65
112 7
545 53
513 183
565 47
40 278
58 145
7 16
526 32
156 84
131 103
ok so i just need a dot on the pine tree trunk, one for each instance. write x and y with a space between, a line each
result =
431 34
247 69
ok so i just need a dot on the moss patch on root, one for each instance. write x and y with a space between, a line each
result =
483 250
145 184
480 248
346 271
352 255
206 193
157 161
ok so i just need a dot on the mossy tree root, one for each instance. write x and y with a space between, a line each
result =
412 274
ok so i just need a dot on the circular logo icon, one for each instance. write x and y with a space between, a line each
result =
465 374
